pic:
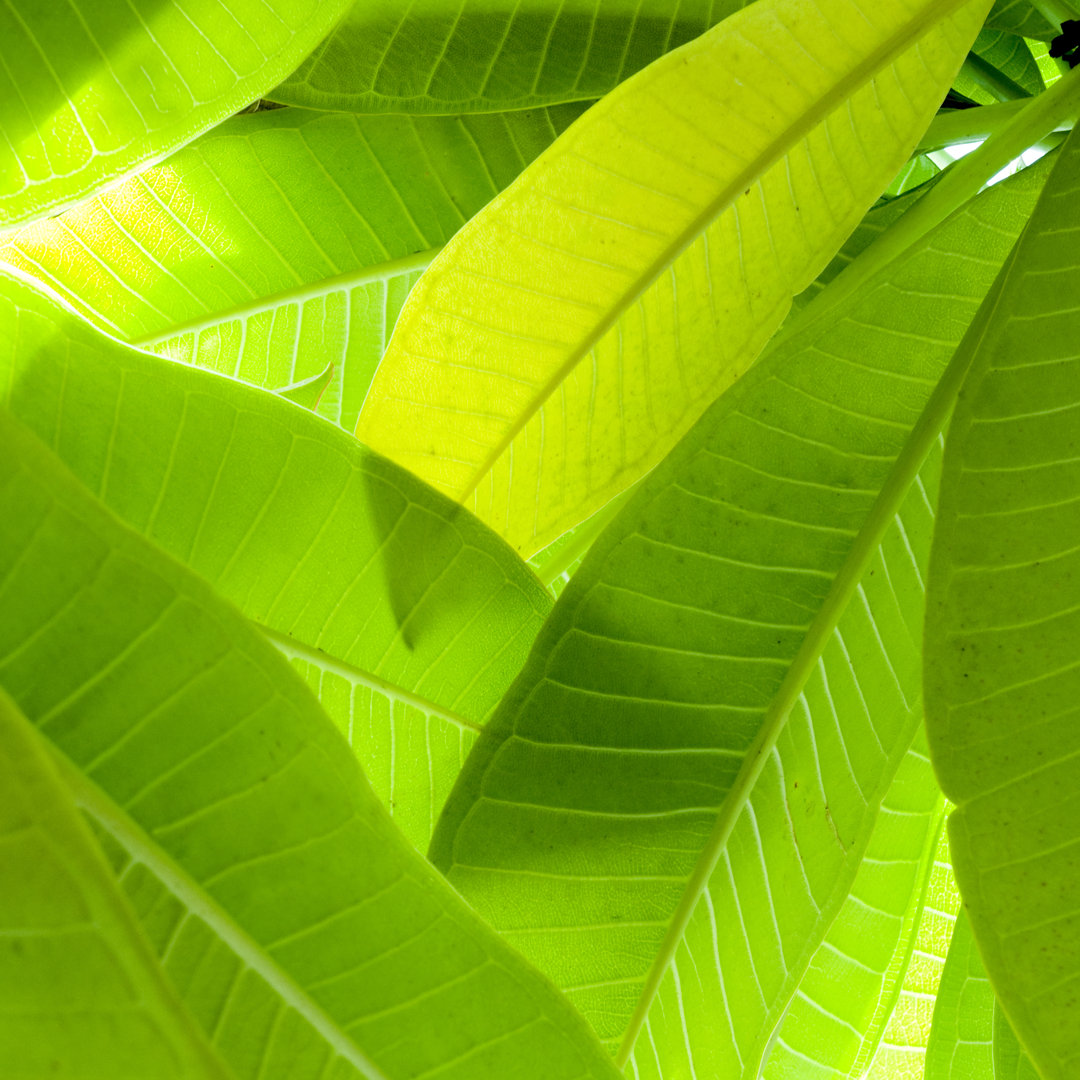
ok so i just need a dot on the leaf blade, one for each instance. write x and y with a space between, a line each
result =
406 616
64 1007
675 647
91 92
602 301
281 240
204 756
1000 524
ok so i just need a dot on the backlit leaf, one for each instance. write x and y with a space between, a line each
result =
281 241
670 806
1002 680
300 928
81 994
90 90
405 615
573 331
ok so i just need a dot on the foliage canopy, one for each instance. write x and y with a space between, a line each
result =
545 547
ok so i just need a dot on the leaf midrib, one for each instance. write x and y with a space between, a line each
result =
299 294
93 800
785 141
300 650
927 429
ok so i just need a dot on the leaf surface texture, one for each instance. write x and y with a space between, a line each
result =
574 330
91 90
405 615
630 818
281 241
81 995
1002 680
298 925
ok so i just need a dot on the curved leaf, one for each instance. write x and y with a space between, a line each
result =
1010 1061
81 995
961 1039
281 241
901 1052
407 616
573 331
435 56
1001 676
1022 17
1001 68
833 1026
91 90
300 928
673 799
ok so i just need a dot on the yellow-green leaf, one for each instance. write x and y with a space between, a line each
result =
573 331
81 993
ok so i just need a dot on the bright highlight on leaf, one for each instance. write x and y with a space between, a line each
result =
573 331
90 90
281 241
672 659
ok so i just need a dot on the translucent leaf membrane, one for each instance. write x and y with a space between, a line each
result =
708 724
900 1053
92 90
282 241
80 993
567 338
405 615
434 56
299 927
1004 592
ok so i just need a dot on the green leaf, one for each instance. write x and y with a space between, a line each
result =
281 241
433 56
406 616
92 90
573 331
300 928
81 994
1010 1061
961 1039
1022 17
900 1055
1001 676
750 621
1001 68
834 1023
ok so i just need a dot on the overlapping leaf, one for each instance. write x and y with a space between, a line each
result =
295 921
435 56
671 803
1000 68
834 1023
961 1039
901 1052
1002 681
573 331
80 993
407 616
90 90
281 241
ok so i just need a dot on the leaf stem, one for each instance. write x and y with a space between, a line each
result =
954 126
988 78
1033 121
